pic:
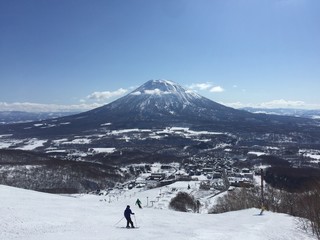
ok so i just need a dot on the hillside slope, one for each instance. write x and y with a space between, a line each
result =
32 215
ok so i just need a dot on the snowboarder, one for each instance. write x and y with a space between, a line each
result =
127 215
138 202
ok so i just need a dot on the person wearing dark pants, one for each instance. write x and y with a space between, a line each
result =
127 215
138 202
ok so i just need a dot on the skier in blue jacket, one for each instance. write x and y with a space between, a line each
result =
127 215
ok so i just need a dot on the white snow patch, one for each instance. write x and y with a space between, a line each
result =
313 156
256 153
5 145
116 132
59 141
102 150
79 154
106 124
32 215
156 92
222 145
78 141
32 144
56 151
311 153
5 135
272 148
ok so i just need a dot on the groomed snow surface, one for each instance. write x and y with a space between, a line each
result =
26 215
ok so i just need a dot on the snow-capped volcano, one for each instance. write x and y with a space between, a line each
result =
158 104
174 93
163 99
159 97
163 94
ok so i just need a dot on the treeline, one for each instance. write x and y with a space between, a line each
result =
35 171
305 205
292 179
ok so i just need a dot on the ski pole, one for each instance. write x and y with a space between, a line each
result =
119 221
135 221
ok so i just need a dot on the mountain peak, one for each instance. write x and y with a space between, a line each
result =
160 87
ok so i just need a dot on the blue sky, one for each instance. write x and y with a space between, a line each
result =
79 54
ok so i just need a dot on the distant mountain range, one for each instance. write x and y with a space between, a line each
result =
313 114
8 117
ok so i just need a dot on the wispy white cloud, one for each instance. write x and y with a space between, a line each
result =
200 86
102 96
98 99
136 93
217 89
38 107
279 103
208 86
234 104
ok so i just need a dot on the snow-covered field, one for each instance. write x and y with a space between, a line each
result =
32 215
125 134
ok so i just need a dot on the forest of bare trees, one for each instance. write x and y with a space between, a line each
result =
305 205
